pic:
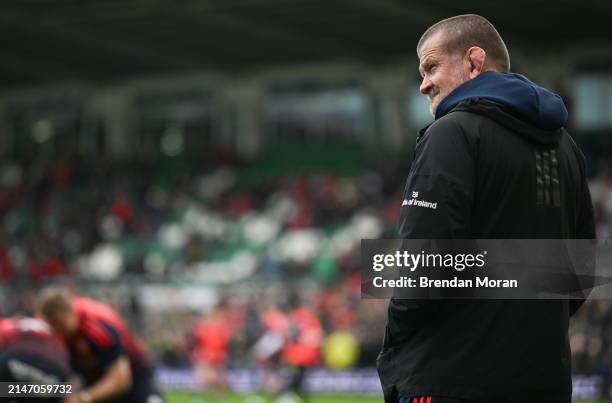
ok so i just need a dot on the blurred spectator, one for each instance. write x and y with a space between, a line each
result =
212 337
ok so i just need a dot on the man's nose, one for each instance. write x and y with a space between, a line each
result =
425 86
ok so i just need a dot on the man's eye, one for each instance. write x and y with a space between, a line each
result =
433 68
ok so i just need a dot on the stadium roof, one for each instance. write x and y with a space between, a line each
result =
48 41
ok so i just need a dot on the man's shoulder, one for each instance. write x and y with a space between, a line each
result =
459 116
93 308
456 122
97 331
83 304
449 131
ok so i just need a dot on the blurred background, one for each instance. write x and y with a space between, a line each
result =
209 168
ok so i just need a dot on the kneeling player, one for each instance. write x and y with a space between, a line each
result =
103 351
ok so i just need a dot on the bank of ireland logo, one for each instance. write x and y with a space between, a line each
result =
420 203
410 202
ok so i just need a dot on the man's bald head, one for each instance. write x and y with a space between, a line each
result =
462 32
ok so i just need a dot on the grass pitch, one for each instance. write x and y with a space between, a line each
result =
190 397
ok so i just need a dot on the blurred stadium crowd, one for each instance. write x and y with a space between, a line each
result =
281 253
277 256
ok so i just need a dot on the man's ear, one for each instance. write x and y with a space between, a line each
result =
476 57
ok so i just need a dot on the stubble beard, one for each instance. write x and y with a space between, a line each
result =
433 107
434 103
460 78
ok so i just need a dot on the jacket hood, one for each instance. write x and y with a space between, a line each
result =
514 101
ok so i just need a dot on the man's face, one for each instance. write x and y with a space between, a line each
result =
441 72
64 322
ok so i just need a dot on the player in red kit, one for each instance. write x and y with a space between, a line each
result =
103 351
30 352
